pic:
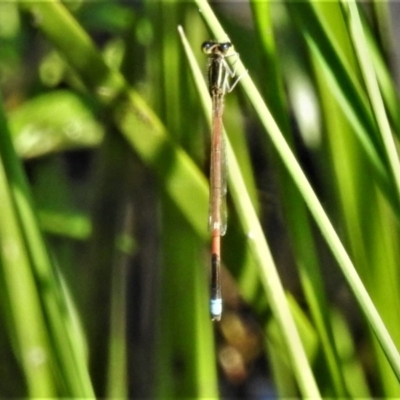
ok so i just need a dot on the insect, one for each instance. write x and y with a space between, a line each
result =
219 76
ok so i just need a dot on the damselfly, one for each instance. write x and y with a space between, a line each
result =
219 75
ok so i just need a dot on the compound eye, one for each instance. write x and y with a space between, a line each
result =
225 46
207 46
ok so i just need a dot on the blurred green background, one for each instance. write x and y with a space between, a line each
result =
104 156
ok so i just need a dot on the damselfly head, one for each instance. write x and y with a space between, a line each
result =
214 47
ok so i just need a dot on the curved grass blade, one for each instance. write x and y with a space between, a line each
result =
367 68
53 122
345 85
20 298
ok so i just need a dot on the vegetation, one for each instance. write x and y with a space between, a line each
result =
103 201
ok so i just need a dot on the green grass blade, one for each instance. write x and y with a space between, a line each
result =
366 65
53 122
345 85
19 293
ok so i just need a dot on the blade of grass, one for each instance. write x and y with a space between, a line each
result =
366 65
345 86
69 123
388 89
20 294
